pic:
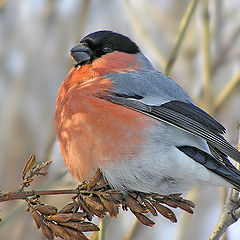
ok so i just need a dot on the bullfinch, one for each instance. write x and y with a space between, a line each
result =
115 112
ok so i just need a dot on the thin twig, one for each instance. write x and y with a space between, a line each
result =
206 56
180 35
227 90
93 236
23 195
230 213
219 25
224 51
224 194
186 218
132 230
82 15
138 26
228 217
45 184
101 233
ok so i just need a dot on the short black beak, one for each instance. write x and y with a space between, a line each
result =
81 54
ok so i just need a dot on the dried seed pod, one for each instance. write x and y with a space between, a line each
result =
46 209
47 232
140 199
26 182
169 202
143 219
156 196
97 213
38 218
78 216
175 197
107 196
102 184
65 217
166 212
93 203
75 235
68 208
116 195
81 226
82 186
76 207
29 164
185 207
133 194
85 208
95 179
188 202
111 207
59 231
134 205
150 208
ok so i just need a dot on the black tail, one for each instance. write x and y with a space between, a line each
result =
230 174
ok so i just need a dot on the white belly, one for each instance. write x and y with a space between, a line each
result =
160 166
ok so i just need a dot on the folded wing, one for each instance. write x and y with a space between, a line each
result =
192 119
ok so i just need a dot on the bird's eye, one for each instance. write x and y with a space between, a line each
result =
107 49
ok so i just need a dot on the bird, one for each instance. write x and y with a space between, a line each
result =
116 113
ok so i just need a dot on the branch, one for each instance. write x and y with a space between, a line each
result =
23 195
102 226
206 55
226 91
136 21
224 52
132 230
94 197
230 213
180 35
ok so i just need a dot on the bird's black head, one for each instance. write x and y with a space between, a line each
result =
100 43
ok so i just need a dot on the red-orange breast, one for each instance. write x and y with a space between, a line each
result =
92 130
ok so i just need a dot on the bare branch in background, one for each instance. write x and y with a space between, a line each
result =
227 91
138 26
224 51
229 215
180 35
231 211
206 56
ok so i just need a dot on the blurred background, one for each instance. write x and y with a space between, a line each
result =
36 36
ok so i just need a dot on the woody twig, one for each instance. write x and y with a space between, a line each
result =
93 197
